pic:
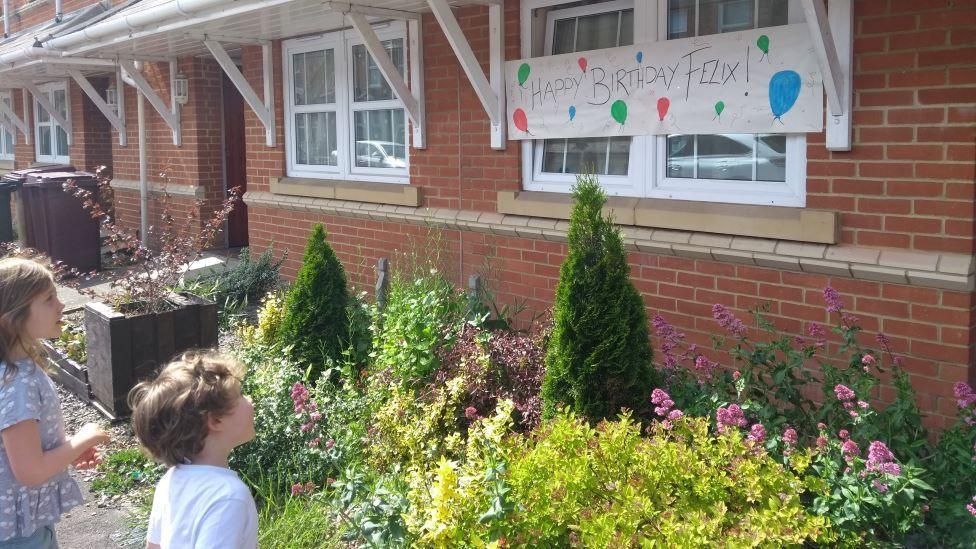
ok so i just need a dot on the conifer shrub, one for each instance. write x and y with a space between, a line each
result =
315 324
599 357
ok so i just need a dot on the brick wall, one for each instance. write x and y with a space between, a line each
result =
195 163
907 184
26 14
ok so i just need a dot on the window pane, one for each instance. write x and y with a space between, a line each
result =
681 156
773 13
598 31
681 18
44 140
725 156
59 103
604 155
62 142
42 115
380 139
368 81
8 143
564 36
314 77
771 158
315 139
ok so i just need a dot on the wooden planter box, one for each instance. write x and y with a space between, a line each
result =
124 350
68 373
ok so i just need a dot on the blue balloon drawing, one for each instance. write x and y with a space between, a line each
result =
784 88
572 113
640 56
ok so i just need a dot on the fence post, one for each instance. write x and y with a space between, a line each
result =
382 282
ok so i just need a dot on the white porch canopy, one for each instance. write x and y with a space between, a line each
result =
164 30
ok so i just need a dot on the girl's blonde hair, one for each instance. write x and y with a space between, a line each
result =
21 280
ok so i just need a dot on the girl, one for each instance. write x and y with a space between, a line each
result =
35 489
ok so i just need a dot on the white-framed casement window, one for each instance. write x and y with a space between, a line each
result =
6 131
342 120
51 139
736 168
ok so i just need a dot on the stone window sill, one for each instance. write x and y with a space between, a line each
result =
355 191
6 166
781 223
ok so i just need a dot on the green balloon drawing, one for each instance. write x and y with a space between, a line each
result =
619 111
763 43
523 73
719 107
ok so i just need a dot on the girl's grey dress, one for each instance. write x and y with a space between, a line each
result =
30 394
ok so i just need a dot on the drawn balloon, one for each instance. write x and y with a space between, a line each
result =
619 111
662 107
572 112
719 107
763 43
582 64
640 57
784 89
521 121
523 73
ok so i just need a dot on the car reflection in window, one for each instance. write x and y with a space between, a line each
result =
380 154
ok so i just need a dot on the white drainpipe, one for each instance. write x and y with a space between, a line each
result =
143 178
58 14
6 18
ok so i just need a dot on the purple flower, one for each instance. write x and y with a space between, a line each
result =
965 396
882 339
789 436
471 413
844 392
816 331
299 397
832 298
850 449
662 402
329 444
821 442
757 433
879 486
729 417
315 416
727 320
843 434
675 414
705 366
867 360
972 508
881 460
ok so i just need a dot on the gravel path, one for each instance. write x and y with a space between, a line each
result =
100 523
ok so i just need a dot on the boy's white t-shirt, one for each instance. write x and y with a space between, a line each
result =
202 506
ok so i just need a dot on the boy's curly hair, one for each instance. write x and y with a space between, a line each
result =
170 412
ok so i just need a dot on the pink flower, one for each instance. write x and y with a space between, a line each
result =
867 360
879 486
736 375
972 508
329 444
882 339
881 460
314 442
727 320
757 433
816 330
850 449
299 396
832 298
306 427
822 426
471 413
663 402
862 405
789 436
297 488
703 365
675 414
844 392
843 434
821 442
729 417
965 396
315 416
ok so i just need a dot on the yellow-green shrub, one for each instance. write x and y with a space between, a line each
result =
270 315
571 484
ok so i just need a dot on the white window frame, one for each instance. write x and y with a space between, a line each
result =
647 167
47 89
7 129
342 42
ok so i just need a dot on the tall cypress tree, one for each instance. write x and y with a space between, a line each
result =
315 322
599 357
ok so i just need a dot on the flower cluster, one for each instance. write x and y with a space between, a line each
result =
303 404
847 397
730 417
757 434
832 298
971 507
727 320
670 337
966 399
664 406
881 460
298 488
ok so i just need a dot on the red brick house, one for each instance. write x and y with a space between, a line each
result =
312 125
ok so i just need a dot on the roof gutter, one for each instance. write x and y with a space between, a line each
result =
170 16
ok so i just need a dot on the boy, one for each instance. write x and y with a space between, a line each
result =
190 417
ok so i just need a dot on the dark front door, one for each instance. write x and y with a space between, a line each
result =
234 162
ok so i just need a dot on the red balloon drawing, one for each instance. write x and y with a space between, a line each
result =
582 63
662 107
521 122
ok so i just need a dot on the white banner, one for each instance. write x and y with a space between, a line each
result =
757 81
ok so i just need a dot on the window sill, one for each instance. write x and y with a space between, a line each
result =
355 191
6 165
781 223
